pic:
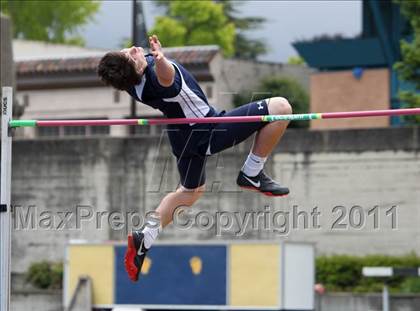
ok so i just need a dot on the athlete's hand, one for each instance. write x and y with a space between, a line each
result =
156 48
165 71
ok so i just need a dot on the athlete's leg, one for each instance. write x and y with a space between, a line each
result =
192 175
181 197
252 175
269 136
226 135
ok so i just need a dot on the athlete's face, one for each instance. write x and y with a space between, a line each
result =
136 55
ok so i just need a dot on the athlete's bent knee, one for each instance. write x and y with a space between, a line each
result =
279 105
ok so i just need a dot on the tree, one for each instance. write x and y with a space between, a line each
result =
50 21
278 86
295 60
195 23
244 47
409 67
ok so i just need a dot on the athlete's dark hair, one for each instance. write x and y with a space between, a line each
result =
117 70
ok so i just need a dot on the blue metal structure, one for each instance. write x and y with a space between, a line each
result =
378 46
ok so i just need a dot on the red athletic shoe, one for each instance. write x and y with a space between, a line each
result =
134 255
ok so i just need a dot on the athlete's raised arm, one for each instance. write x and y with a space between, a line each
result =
165 71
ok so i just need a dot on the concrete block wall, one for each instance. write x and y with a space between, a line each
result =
372 302
324 169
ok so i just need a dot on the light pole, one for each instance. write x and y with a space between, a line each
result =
138 38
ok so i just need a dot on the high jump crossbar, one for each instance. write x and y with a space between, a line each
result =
238 119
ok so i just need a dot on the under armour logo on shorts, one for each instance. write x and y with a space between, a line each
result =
260 105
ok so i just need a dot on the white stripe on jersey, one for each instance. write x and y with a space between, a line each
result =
191 104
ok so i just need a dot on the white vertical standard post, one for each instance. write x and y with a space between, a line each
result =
385 298
5 207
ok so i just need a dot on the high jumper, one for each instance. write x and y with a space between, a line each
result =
166 85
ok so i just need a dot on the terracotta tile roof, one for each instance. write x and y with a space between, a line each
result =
188 56
56 65
194 55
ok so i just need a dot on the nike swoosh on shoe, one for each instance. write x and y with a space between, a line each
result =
255 184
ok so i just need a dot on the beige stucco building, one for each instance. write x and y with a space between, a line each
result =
60 82
333 91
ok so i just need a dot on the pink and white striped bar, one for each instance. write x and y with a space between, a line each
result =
238 119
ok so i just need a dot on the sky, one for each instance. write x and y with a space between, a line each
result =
287 21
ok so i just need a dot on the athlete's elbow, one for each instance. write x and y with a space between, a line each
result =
166 82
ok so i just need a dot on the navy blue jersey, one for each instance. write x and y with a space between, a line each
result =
192 143
183 99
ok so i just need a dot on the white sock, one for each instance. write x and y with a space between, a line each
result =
151 232
253 165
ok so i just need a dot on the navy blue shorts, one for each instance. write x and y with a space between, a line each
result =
193 146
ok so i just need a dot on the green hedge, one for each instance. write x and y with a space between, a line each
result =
45 275
342 273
